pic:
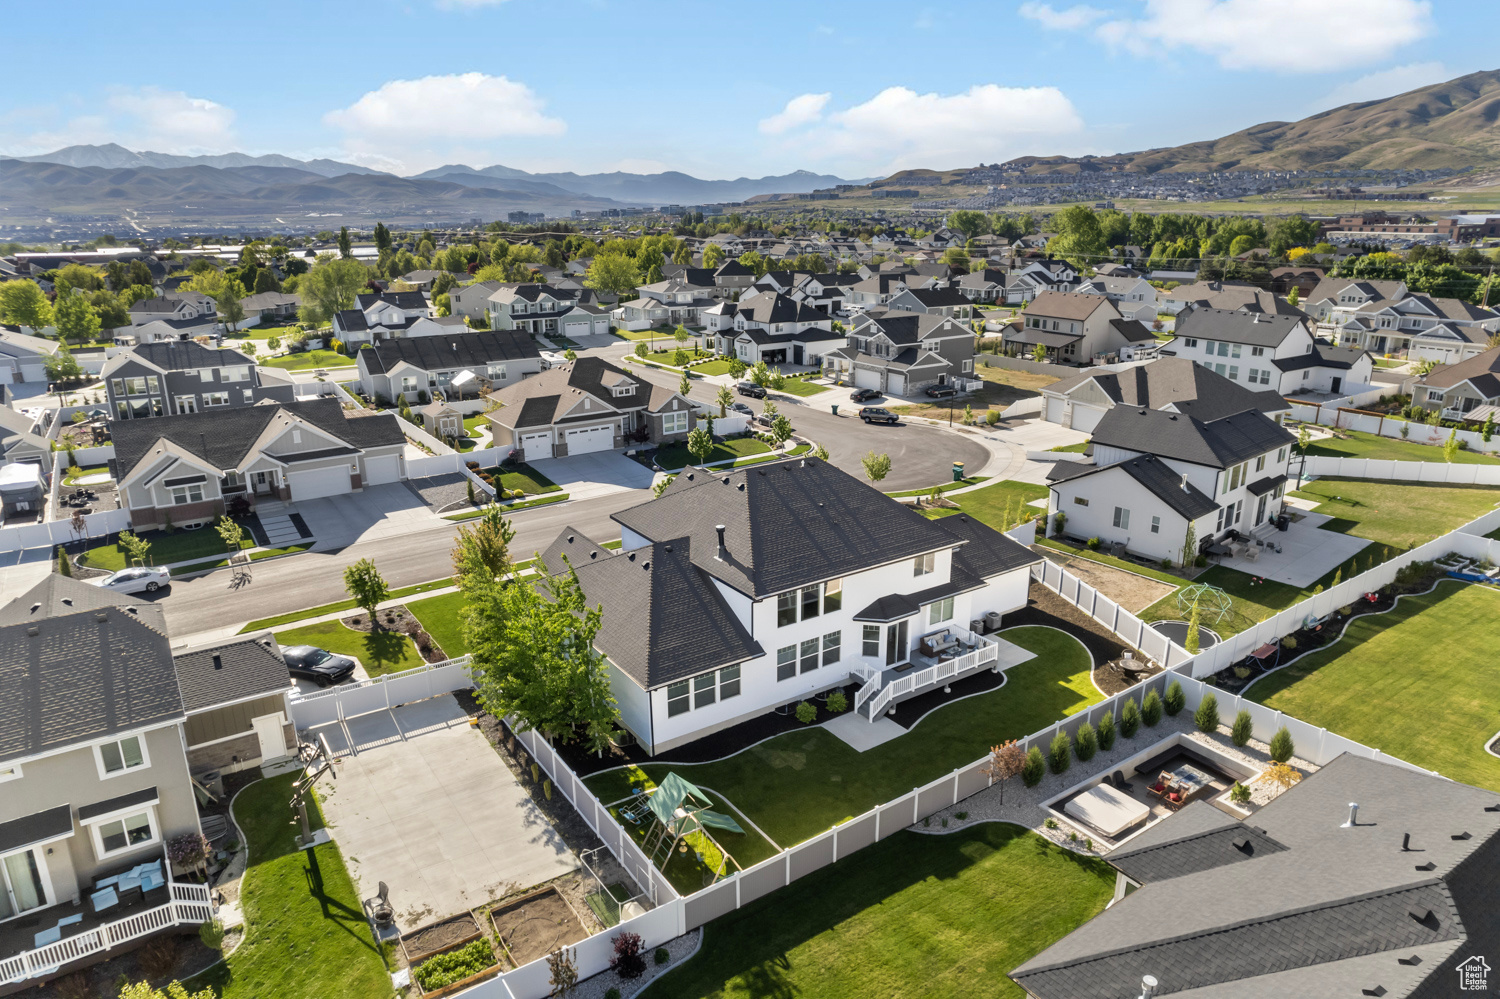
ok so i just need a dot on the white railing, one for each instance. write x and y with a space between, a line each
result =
986 652
188 904
870 689
349 700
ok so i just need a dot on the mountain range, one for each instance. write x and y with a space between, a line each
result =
116 157
635 188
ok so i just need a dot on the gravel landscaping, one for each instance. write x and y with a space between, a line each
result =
678 950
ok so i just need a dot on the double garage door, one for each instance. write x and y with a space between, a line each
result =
318 482
586 440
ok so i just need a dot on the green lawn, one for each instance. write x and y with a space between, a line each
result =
1252 602
381 652
528 479
472 424
306 936
1403 514
179 546
307 360
994 504
912 915
74 473
439 615
1361 445
710 368
1078 448
972 480
648 335
1110 560
1401 682
798 386
264 332
666 356
798 784
1388 362
677 455
333 608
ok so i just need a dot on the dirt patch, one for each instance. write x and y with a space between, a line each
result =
1132 592
399 619
1047 608
102 979
535 925
421 944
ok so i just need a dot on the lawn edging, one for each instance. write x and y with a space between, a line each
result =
514 505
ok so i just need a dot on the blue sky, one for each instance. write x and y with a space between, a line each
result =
713 89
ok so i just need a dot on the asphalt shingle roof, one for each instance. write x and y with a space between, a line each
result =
1218 443
1151 472
245 666
1184 385
1253 328
461 350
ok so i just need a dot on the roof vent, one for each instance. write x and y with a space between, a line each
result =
593 554
646 565
570 539
218 661
1406 842
67 601
101 616
1424 916
1410 962
131 611
667 548
630 556
725 480
33 631
1378 990
1493 808
1353 819
1240 842
1429 866
1462 835
1148 987
1184 482
741 487
35 608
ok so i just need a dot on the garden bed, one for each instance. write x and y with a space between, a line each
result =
399 620
457 969
535 925
424 942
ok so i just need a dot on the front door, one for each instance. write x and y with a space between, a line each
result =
797 353
269 731
1335 385
262 483
895 643
1260 511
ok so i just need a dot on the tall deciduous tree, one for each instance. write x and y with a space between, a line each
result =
367 587
346 245
328 288
75 318
614 272
483 547
23 303
713 255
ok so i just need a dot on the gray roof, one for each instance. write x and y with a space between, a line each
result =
242 667
1252 328
1159 478
459 350
1328 901
544 398
937 298
1217 443
78 663
1482 370
37 827
1201 839
1185 385
179 355
137 797
1132 330
1323 355
774 307
901 327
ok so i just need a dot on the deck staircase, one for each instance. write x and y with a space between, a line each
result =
881 689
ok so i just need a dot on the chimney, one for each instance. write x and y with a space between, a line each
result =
722 552
1353 816
1148 987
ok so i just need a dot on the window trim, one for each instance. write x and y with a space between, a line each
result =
96 836
836 646
98 748
786 664
939 611
866 641
924 565
724 682
684 698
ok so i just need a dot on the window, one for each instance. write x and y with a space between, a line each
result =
117 386
705 690
833 647
674 423
191 493
1433 395
1306 375
786 662
408 384
1234 372
924 564
124 833
1234 350
1281 456
1224 350
126 754
809 655
833 596
1080 501
1122 518
786 608
810 599
677 699
1218 369
497 374
151 384
249 394
186 403
1260 463
1208 347
1155 525
135 386
870 641
939 611
211 399
1257 352
729 682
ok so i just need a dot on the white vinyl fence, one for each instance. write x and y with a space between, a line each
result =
1346 418
1131 629
1434 472
332 704
57 532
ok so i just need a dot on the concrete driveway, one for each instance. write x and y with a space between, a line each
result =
603 473
377 512
423 803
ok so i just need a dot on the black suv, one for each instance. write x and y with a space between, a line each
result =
751 389
863 395
941 392
874 414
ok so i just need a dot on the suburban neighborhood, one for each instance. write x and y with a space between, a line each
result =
1068 577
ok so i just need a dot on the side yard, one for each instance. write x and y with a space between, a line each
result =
379 652
1362 445
1002 386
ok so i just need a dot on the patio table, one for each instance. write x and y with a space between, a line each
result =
1190 779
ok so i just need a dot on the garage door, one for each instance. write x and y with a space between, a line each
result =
33 373
895 384
1055 408
320 482
590 439
534 446
1086 418
866 378
379 471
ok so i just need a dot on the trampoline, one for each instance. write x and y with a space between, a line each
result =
1177 632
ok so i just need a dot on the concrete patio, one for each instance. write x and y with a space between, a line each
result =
1307 553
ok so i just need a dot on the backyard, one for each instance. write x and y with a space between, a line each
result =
1363 445
1002 386
799 784
912 915
308 360
380 652
306 935
1400 681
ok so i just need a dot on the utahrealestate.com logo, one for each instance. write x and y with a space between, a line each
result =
1474 975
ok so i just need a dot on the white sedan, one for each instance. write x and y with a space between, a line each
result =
137 579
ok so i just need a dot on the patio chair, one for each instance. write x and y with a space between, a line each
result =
1252 553
1118 782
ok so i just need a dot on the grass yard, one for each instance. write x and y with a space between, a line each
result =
302 912
1002 386
647 335
333 608
307 360
993 504
1362 445
1252 602
472 424
529 480
264 332
802 387
381 652
179 546
798 784
710 368
1389 362
1402 514
912 915
74 473
439 615
972 480
1401 682
1079 448
677 455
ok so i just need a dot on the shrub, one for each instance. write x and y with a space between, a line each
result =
1093 544
838 702
1087 744
1289 642
1200 561
1050 823
661 955
1151 709
1243 725
1059 756
1282 746
212 934
1034 768
1239 794
1207 715
627 961
455 965
1242 672
536 772
992 417
1107 731
547 789
806 713
1166 565
1175 699
1130 718
612 993
1072 836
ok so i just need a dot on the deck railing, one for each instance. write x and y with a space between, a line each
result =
987 651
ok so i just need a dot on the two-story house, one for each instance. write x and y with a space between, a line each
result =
177 305
878 289
772 327
828 293
737 592
1229 296
1135 297
732 278
472 301
936 301
1279 353
23 357
903 353
175 377
1156 471
1071 328
676 301
1177 384
1425 328
1035 277
430 364
189 469
984 285
380 316
542 309
1457 390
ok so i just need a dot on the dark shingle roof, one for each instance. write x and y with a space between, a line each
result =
405 300
1184 385
1256 329
986 551
774 307
1155 475
245 666
1218 443
1204 838
461 350
1132 330
1323 355
36 828
177 355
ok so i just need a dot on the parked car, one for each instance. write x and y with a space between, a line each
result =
137 579
863 395
308 662
874 414
740 407
751 389
942 392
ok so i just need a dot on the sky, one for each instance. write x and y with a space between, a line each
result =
713 89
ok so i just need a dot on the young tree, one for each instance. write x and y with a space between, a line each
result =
736 368
760 374
685 383
1292 298
820 452
876 466
64 567
713 255
1207 715
1194 640
23 303
1087 743
781 429
62 366
682 336
232 534
1281 774
1107 731
1175 700
1039 353
1060 753
1130 718
346 245
724 398
136 550
1450 446
1035 768
1007 760
699 443
75 318
1304 437
1189 544
1242 729
1282 747
1151 709
367 587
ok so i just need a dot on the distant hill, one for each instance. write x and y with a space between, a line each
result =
667 188
116 157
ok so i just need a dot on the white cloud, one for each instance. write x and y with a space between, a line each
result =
1286 35
467 106
1080 16
1386 83
900 128
799 111
139 118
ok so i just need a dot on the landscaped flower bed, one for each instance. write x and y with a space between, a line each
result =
454 966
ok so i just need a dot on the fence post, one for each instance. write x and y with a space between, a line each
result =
835 844
916 801
955 784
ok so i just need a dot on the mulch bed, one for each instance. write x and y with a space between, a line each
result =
399 619
909 712
1043 607
535 925
103 979
422 943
